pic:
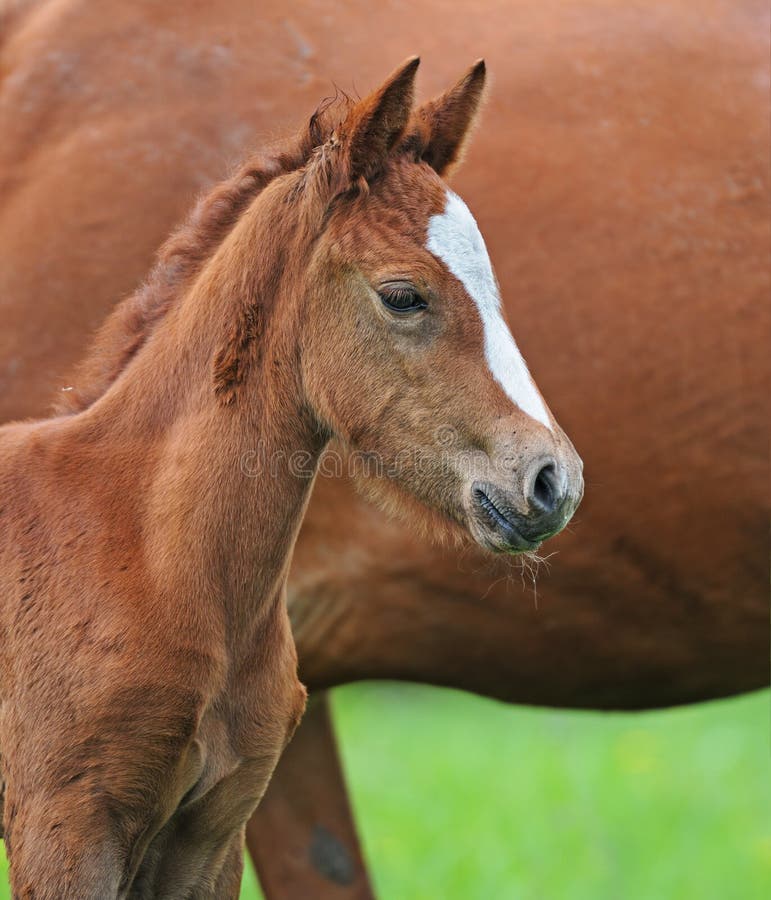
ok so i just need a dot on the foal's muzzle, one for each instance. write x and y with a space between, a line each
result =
522 515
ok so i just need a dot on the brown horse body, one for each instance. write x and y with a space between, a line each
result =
149 676
148 670
622 191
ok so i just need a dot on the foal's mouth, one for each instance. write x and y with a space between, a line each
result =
491 512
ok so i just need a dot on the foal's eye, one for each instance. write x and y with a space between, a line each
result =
401 299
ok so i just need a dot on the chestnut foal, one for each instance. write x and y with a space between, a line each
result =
148 676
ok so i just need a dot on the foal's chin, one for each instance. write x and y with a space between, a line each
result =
467 528
500 540
462 528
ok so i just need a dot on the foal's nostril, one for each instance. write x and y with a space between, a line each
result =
546 490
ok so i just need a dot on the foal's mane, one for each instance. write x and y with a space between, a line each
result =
183 255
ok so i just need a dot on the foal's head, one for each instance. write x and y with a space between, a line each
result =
405 353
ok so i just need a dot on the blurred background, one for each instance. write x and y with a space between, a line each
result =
459 797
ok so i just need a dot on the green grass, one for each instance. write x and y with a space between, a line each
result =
464 799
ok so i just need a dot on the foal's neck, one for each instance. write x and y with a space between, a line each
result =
214 404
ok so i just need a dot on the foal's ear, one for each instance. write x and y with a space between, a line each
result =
448 119
376 123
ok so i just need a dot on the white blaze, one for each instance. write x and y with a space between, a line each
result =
454 237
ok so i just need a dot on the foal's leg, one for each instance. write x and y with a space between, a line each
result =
46 864
84 844
199 853
194 876
229 883
82 803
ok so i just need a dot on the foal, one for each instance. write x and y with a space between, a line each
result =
147 673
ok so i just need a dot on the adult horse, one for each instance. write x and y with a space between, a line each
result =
623 192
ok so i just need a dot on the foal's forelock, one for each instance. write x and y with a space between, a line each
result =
182 257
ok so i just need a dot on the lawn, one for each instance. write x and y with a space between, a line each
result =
460 798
